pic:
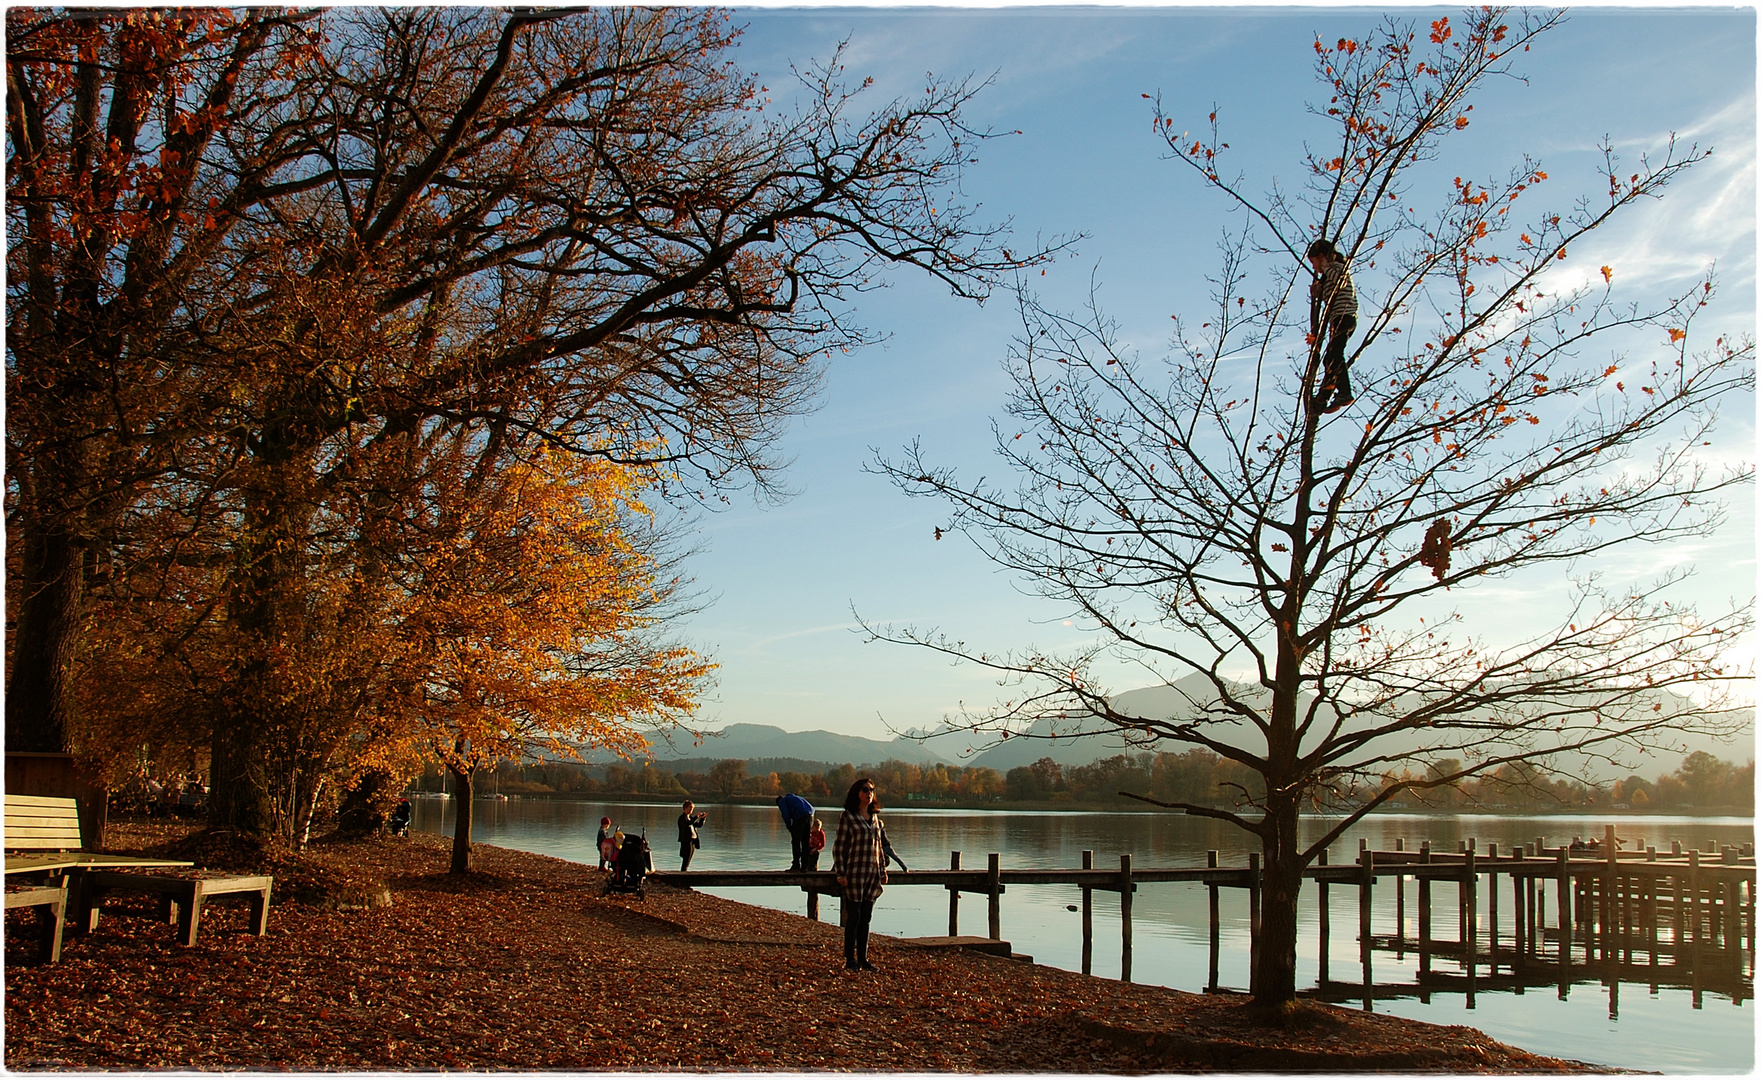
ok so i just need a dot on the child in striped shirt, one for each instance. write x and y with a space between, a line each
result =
1333 308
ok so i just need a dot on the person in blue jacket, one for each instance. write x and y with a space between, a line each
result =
798 817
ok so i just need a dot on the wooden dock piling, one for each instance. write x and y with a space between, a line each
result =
1216 920
953 898
1125 890
1088 917
1322 925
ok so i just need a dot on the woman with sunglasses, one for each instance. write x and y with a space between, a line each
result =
861 867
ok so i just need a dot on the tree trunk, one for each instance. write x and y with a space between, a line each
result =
38 693
461 835
1274 975
368 805
239 797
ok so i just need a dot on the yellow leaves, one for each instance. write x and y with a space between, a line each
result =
1608 274
1676 335
1461 122
1440 31
1612 368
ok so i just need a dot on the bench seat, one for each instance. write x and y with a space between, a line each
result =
185 893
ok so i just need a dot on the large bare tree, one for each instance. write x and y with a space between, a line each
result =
1292 570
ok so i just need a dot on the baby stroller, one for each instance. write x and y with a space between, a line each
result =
634 861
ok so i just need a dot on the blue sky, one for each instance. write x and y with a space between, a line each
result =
785 578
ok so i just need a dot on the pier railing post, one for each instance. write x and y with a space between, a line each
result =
1366 886
995 887
1400 903
1694 909
1563 887
1424 890
1216 922
1253 918
954 897
1324 921
1125 888
1088 918
1470 943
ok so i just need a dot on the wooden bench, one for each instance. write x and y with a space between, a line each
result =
184 895
43 836
51 898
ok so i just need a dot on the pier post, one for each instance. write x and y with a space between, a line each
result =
812 905
1323 924
996 896
1694 908
1216 922
1424 888
1088 918
1492 908
1253 911
1563 887
1367 859
1610 907
1470 897
1519 915
1400 903
1125 888
953 897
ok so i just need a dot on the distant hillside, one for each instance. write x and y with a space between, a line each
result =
755 741
1077 742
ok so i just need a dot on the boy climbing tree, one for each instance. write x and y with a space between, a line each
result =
1333 308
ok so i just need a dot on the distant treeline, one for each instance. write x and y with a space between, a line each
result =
1196 776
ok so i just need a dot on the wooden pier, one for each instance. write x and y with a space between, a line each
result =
1684 916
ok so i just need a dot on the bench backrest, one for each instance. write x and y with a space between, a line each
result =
42 823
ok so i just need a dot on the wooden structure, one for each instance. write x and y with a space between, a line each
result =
43 835
184 896
1698 914
43 840
51 899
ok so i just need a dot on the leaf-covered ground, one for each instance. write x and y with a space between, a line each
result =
525 965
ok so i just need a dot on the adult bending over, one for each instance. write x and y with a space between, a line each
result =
861 867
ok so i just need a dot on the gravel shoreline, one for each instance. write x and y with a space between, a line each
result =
526 966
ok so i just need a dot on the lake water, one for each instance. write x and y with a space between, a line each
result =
1629 1025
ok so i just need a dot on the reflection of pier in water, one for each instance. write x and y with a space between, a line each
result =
1678 918
1644 917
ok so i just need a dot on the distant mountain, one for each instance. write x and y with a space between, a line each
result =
754 741
1079 740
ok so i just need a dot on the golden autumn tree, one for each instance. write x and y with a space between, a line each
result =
1286 572
533 620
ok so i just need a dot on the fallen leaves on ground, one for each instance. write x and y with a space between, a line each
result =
525 965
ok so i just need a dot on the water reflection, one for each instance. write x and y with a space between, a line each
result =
1653 1021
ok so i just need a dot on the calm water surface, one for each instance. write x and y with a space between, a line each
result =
1628 1025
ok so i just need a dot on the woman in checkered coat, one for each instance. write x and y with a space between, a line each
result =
861 866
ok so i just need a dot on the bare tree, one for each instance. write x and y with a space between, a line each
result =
1217 530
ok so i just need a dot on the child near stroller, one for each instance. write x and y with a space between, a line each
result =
633 863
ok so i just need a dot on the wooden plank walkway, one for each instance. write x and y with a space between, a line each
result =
1607 904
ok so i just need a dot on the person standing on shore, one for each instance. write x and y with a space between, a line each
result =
689 823
861 868
798 819
606 844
